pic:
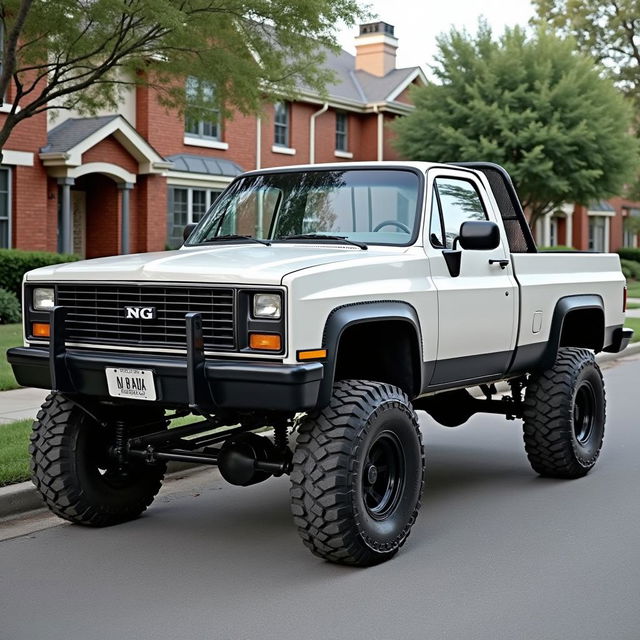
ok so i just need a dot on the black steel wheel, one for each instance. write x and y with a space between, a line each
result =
358 474
77 478
564 416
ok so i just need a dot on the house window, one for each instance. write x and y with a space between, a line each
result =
186 205
281 125
5 208
342 143
631 228
202 95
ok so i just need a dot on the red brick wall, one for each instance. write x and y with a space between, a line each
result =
111 151
151 213
29 184
103 215
164 130
580 228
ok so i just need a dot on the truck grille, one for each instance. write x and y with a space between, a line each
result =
96 315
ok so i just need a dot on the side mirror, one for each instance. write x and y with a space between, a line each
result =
481 235
186 232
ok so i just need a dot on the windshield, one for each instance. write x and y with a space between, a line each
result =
375 206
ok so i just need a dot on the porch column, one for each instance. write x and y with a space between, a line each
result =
546 230
66 219
569 228
125 188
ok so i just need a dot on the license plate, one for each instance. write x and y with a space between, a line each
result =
135 384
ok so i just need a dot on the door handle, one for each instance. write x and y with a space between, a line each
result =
503 263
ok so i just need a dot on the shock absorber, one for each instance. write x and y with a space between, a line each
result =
120 447
281 436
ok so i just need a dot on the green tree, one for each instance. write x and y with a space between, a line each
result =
608 30
531 104
81 53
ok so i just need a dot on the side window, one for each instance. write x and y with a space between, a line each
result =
460 202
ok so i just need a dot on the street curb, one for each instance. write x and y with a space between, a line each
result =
17 499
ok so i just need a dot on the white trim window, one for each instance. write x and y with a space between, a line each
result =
281 124
202 95
342 131
186 205
5 208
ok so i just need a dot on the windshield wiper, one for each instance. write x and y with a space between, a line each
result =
233 236
320 236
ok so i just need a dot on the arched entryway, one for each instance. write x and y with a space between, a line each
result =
95 210
109 178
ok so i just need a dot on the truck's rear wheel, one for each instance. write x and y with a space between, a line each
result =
358 473
74 474
564 416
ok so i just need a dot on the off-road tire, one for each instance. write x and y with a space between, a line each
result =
564 416
70 470
333 492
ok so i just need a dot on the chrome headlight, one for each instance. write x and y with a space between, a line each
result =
43 299
267 305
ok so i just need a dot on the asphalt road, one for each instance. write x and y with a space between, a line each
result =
496 553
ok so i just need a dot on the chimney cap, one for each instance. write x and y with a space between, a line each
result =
377 27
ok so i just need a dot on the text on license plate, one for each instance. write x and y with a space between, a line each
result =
136 384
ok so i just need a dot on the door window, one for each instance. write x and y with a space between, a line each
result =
459 202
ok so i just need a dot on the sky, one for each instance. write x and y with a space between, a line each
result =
418 22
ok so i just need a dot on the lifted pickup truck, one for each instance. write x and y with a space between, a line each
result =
331 300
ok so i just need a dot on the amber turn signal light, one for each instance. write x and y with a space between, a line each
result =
312 354
41 330
265 341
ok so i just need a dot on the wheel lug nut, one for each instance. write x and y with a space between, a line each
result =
372 474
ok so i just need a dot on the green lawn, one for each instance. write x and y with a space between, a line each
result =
10 336
14 452
633 305
633 288
633 323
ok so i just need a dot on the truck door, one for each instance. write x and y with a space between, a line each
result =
477 310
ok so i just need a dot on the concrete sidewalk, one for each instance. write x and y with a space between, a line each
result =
19 404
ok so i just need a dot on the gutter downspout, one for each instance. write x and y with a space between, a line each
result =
312 132
380 132
258 141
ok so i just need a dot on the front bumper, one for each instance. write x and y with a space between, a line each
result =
193 380
230 385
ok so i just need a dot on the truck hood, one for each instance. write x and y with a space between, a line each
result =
233 264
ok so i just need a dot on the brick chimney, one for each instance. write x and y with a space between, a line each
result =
376 48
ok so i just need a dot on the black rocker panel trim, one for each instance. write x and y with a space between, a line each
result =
341 318
469 368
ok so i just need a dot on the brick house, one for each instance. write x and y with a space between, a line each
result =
129 181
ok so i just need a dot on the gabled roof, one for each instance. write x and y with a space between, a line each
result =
362 87
67 142
73 131
192 163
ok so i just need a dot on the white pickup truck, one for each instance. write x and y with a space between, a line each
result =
331 300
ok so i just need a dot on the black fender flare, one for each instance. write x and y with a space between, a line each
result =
341 318
564 306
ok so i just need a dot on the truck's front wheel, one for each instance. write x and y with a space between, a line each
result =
74 473
358 473
564 416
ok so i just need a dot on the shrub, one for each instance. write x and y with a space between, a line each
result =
630 269
629 254
15 263
9 307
